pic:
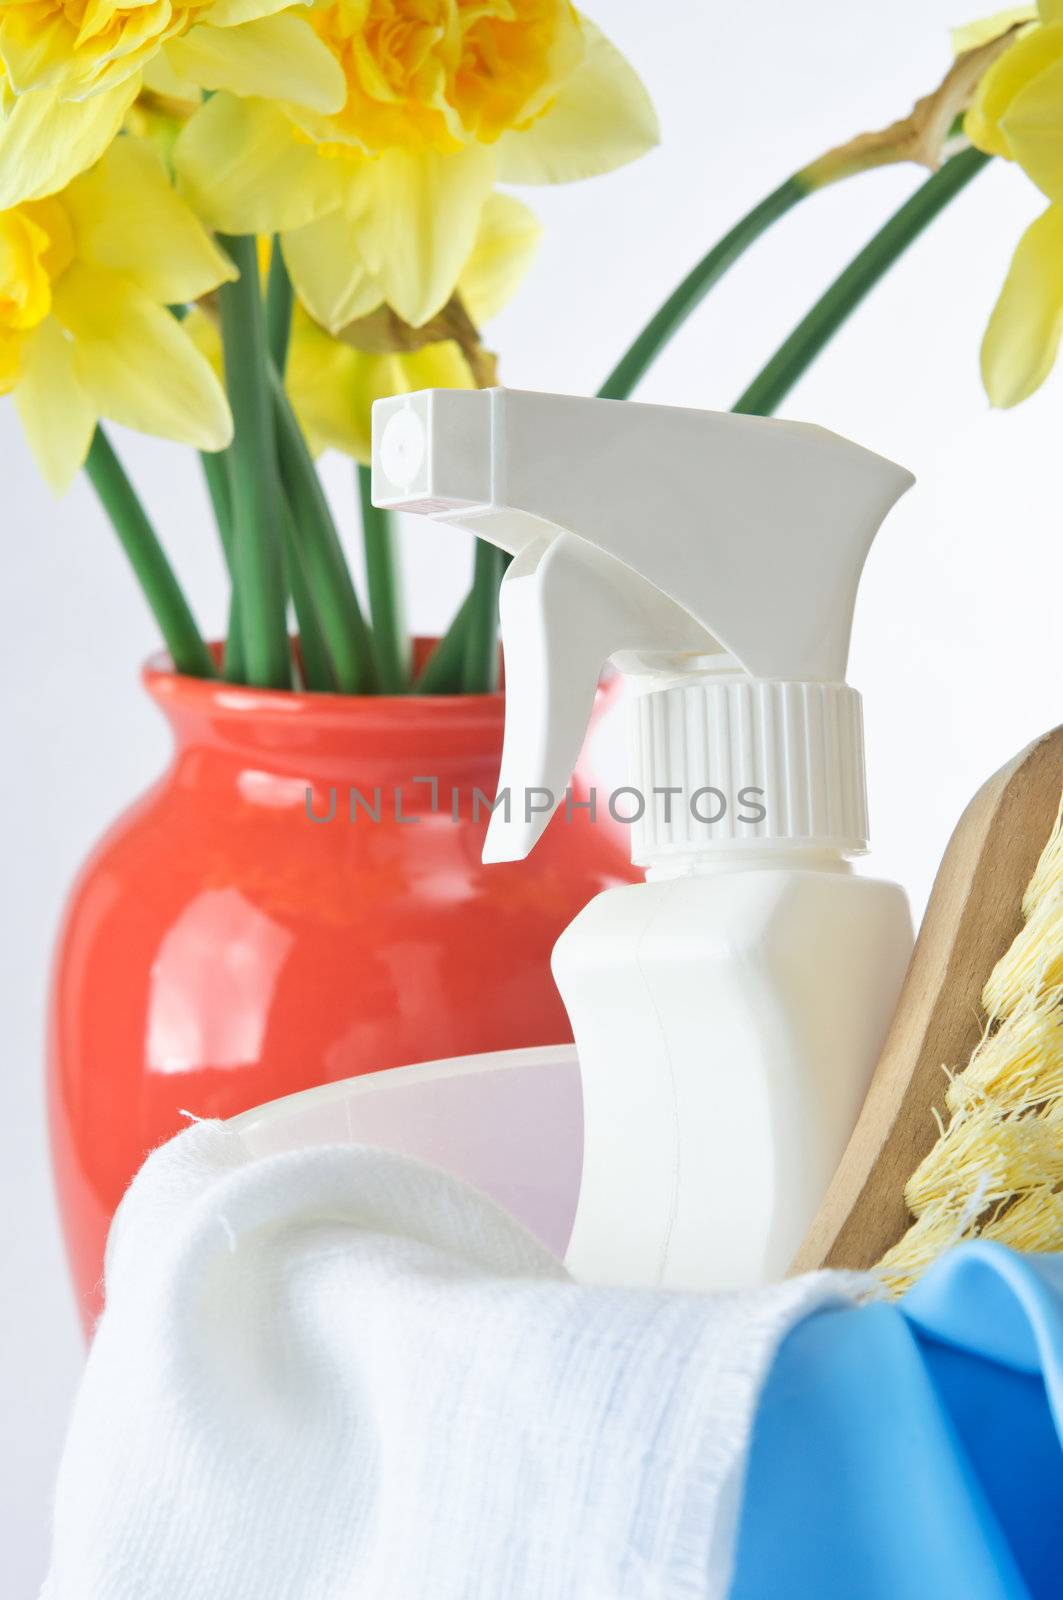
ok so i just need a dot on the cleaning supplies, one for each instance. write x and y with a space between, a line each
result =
728 1012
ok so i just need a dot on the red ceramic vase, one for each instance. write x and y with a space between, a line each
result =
294 902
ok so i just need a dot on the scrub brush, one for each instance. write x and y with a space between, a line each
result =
996 1171
971 1150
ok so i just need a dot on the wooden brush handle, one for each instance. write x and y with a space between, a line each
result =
974 913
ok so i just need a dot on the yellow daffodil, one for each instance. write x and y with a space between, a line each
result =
71 69
333 383
85 279
1018 114
381 201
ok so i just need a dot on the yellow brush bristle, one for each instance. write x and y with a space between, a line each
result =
996 1171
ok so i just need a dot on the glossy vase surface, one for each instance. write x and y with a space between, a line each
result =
298 899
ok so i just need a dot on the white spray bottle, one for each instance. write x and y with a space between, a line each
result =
729 1011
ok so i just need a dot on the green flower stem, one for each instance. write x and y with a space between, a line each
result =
215 465
695 286
280 302
258 508
480 656
148 560
216 471
390 641
232 667
349 643
318 671
216 468
797 353
442 672
318 674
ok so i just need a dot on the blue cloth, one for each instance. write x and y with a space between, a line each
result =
915 1451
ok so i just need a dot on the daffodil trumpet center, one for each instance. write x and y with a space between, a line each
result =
439 74
35 249
85 46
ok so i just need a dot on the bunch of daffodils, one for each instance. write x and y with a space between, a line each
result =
154 155
237 223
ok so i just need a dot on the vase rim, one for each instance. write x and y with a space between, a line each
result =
180 692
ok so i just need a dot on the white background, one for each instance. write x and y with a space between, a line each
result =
956 646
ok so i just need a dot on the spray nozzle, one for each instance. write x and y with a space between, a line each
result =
644 529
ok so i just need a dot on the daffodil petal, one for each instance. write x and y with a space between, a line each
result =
242 169
1050 10
328 272
983 31
277 58
159 75
1023 335
329 385
205 334
435 366
1021 64
602 118
1033 127
45 141
333 386
128 219
136 364
420 214
34 48
230 13
507 239
56 413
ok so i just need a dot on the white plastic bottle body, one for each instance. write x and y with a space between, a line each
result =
727 1026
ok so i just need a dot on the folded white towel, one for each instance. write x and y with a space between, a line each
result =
337 1373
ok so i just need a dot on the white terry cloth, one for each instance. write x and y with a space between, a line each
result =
336 1374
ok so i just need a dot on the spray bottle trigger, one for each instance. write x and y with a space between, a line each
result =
566 607
552 673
